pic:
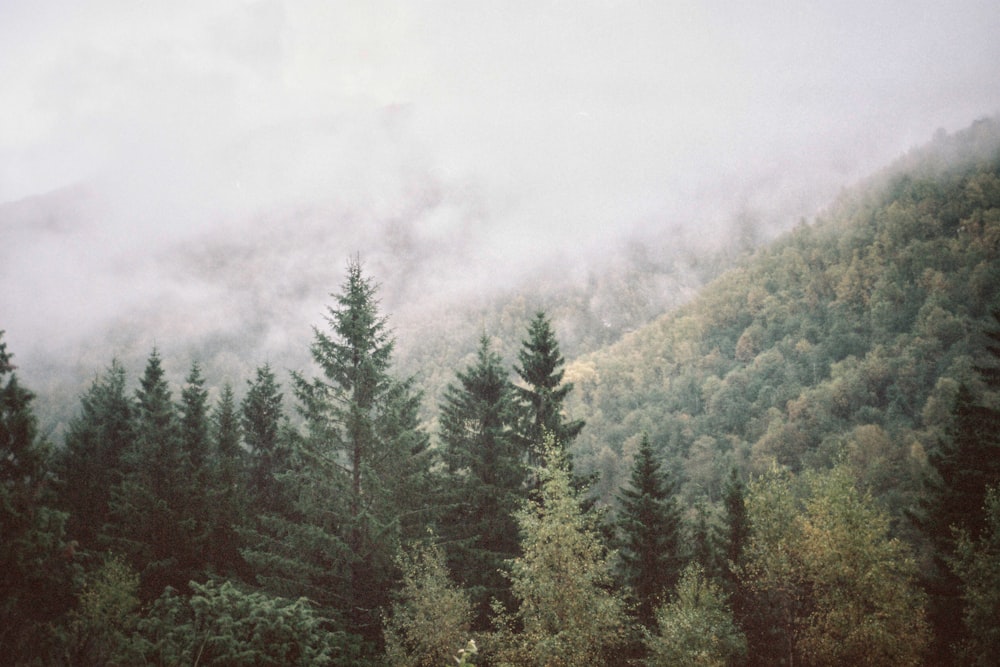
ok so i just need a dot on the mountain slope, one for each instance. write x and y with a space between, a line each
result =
847 337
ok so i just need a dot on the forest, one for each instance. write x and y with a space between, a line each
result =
798 466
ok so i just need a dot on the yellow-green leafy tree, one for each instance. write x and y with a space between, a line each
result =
568 613
431 617
840 588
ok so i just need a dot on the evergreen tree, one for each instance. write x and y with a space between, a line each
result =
262 417
92 461
151 522
35 567
194 424
965 465
359 467
228 485
977 564
649 524
737 528
485 481
543 392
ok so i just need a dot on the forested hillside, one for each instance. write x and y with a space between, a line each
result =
798 467
848 336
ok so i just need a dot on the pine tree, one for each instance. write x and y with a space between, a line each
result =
151 522
649 524
92 461
543 392
262 417
485 480
360 467
35 572
228 496
965 465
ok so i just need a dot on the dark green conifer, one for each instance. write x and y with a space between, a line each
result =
150 508
543 392
268 453
35 561
92 461
649 526
360 469
485 482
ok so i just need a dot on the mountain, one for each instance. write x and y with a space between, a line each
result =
846 337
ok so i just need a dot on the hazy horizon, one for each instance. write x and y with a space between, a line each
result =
222 158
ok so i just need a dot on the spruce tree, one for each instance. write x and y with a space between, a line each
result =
963 467
359 468
262 417
543 391
92 461
228 488
151 523
485 478
35 561
649 525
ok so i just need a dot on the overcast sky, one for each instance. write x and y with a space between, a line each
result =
520 122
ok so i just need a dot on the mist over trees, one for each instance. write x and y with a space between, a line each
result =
796 467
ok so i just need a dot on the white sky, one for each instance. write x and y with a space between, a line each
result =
529 123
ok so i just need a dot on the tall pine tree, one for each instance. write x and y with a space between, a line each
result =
358 470
35 575
151 522
262 418
486 479
92 461
964 466
649 523
543 391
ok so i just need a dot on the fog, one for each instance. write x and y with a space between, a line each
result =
199 169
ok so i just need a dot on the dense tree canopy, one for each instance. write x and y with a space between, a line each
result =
797 467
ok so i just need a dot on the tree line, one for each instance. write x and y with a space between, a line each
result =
174 531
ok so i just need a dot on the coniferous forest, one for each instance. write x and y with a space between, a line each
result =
799 466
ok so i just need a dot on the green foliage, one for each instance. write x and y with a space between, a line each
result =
568 612
696 628
543 392
157 509
219 624
431 615
977 565
91 462
359 477
650 525
484 481
99 629
851 321
837 589
261 417
35 575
